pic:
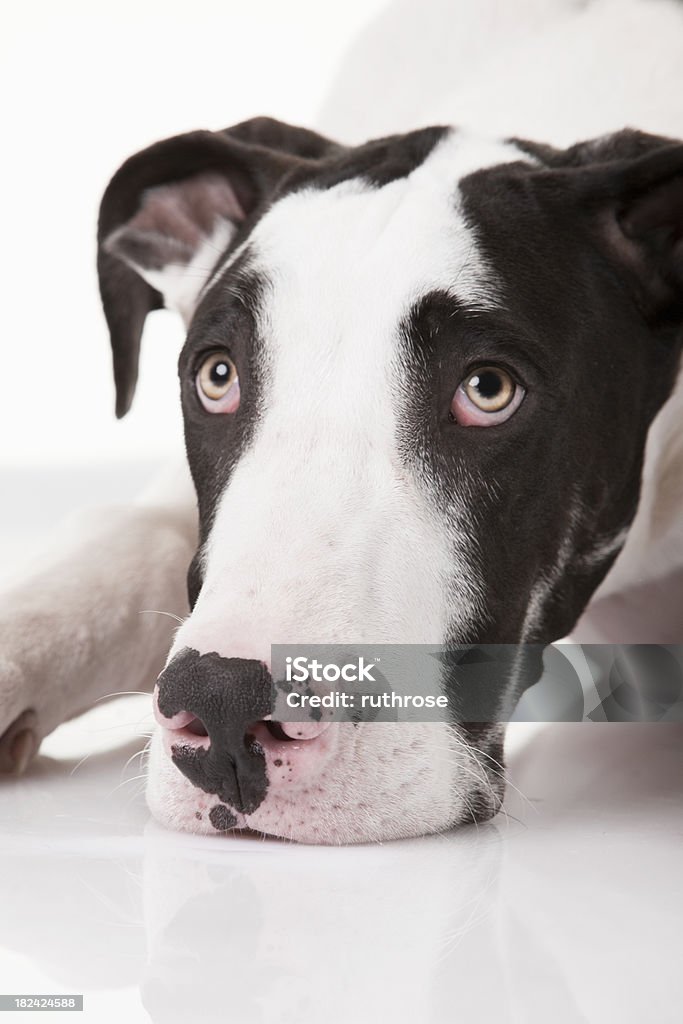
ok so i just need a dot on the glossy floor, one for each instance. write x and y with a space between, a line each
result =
568 907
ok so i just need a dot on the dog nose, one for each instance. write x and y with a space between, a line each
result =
210 703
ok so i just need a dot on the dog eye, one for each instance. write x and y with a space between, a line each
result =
488 395
218 385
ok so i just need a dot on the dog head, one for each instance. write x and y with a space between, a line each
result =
417 384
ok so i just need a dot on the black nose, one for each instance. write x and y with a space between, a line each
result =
228 695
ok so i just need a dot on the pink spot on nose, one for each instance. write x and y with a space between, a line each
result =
304 730
178 721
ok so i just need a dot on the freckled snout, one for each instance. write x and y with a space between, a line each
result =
216 717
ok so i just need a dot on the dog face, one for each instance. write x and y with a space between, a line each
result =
416 385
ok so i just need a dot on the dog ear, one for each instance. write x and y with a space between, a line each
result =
631 186
170 212
650 240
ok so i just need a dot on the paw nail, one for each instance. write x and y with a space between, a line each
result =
19 743
22 749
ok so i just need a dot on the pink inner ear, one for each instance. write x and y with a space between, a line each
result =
174 220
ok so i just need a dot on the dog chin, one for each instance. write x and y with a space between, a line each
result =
424 779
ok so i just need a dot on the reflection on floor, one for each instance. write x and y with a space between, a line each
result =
567 907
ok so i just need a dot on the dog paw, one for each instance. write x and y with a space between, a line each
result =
22 687
19 743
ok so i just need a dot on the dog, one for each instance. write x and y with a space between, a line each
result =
430 395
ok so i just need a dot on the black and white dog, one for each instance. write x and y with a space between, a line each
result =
417 387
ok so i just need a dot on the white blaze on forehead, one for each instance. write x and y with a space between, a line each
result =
431 212
323 534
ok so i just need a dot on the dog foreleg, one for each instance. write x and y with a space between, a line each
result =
85 623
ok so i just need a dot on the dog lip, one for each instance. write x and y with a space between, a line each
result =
291 746
177 739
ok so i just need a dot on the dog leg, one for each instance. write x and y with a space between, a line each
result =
83 626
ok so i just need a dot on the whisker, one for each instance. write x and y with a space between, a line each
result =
138 753
125 782
155 611
503 774
123 693
126 725
82 761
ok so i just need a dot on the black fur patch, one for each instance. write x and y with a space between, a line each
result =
225 320
378 162
222 818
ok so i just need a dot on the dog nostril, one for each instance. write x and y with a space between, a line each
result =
295 731
276 731
197 727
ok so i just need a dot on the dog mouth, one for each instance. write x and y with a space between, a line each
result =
243 763
282 732
276 729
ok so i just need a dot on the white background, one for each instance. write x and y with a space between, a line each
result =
84 86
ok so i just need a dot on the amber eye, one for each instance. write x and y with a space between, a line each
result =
490 389
487 396
218 384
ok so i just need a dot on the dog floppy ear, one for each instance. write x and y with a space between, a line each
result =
170 212
650 220
631 186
